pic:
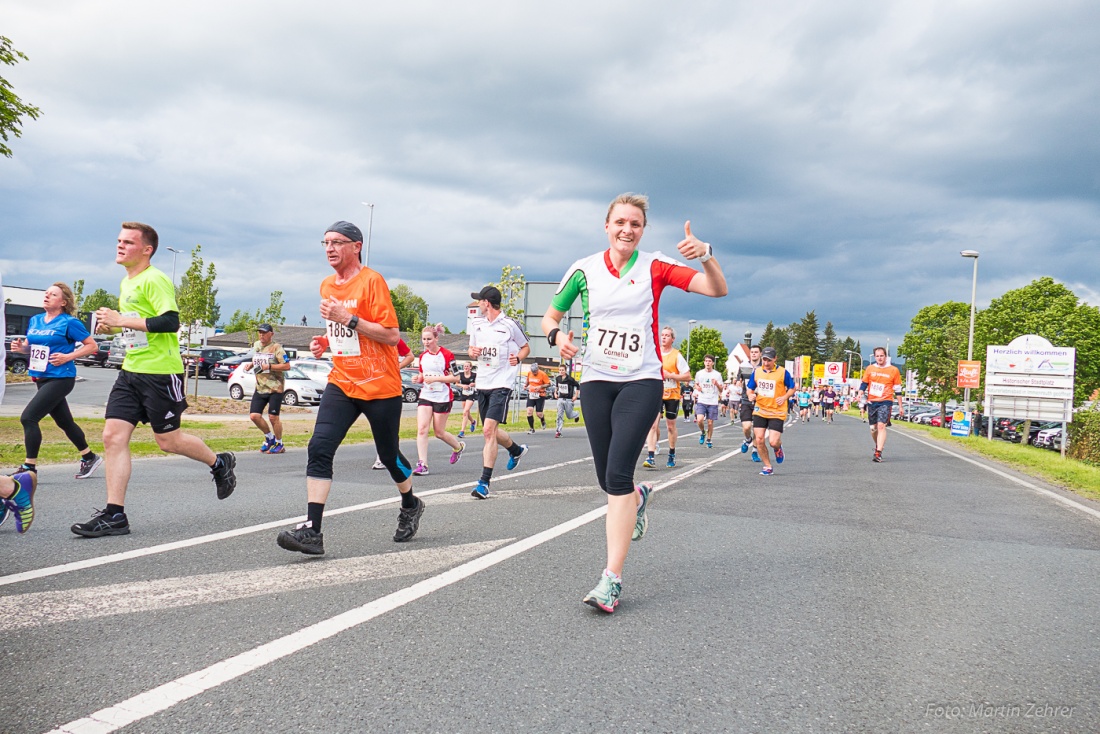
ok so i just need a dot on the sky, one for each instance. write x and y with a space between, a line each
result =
837 155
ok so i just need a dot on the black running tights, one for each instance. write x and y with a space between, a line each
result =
618 416
50 400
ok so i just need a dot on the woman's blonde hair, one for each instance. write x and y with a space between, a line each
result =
639 200
438 330
70 299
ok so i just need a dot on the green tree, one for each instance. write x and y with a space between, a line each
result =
196 295
1051 310
247 321
412 310
78 295
702 341
829 343
512 286
12 109
804 340
935 343
98 299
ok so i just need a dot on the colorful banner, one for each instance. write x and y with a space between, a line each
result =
969 374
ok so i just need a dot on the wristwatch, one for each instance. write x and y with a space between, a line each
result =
709 254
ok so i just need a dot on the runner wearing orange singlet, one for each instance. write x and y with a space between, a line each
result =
361 333
879 381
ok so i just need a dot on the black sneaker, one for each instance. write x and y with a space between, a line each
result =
303 539
225 477
88 466
103 524
408 521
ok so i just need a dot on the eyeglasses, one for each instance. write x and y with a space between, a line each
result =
335 243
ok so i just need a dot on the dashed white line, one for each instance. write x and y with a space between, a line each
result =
53 607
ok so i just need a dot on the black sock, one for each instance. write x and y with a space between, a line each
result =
514 449
486 474
543 421
113 510
217 462
672 452
314 511
531 421
650 454
408 500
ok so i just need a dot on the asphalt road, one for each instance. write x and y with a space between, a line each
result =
925 593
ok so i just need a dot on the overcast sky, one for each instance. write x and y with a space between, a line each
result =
838 155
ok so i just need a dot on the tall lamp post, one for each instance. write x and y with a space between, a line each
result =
973 294
691 325
370 226
174 252
850 355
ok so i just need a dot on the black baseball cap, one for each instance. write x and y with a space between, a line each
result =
768 352
488 293
262 328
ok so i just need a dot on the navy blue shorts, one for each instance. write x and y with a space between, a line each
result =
879 412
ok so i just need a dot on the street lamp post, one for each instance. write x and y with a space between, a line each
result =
174 252
370 226
691 325
973 294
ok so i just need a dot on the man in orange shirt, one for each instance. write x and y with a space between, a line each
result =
361 333
537 382
879 381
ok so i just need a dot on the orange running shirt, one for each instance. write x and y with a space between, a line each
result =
536 386
881 382
373 374
673 362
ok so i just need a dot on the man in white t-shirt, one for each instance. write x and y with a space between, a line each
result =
498 344
708 389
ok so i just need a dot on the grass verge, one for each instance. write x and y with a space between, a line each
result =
231 434
1044 464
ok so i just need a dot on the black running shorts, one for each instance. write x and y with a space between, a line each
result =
158 400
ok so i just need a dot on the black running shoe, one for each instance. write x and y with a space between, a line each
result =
408 521
303 539
103 524
89 465
225 476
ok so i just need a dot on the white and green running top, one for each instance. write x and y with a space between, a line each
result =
149 293
619 341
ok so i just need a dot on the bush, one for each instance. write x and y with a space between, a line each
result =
1084 437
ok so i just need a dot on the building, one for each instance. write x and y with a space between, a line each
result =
20 304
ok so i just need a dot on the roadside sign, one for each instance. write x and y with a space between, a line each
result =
969 374
1030 379
834 373
960 423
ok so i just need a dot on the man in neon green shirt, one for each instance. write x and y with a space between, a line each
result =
149 388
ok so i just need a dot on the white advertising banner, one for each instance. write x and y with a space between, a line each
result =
1030 379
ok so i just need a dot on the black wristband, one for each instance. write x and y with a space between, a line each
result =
551 336
353 322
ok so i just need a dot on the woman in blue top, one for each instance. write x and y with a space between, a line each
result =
54 340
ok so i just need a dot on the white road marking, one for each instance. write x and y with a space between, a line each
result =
51 607
226 534
165 696
1022 482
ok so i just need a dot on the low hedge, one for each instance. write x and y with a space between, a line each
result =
1084 437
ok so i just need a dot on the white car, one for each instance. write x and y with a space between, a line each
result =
299 387
315 369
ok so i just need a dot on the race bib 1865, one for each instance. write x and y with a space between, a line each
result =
342 341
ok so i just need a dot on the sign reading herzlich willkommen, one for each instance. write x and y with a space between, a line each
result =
1030 379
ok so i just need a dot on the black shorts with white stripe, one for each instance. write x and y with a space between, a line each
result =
158 400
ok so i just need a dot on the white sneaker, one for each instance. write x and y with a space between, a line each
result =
378 464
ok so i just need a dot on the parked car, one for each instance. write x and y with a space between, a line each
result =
410 391
99 357
1045 438
117 353
203 360
16 362
299 388
1015 434
224 368
315 369
945 422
